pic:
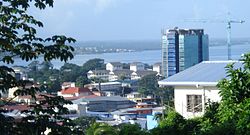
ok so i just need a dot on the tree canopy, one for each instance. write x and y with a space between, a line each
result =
18 39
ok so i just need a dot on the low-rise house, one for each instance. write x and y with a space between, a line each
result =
101 74
139 74
68 84
107 87
137 66
138 98
194 86
119 74
112 66
74 92
11 91
27 99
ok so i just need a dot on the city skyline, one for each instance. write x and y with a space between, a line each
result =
139 20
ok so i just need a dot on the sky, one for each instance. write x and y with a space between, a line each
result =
99 20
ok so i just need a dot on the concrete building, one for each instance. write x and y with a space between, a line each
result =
183 48
108 88
139 74
114 66
194 86
120 74
68 84
157 68
137 66
101 74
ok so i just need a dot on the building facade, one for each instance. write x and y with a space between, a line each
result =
137 66
183 48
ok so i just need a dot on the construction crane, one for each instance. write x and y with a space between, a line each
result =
229 27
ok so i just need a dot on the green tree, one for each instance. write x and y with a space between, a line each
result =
235 97
18 39
83 123
165 96
70 72
148 84
131 129
101 129
82 80
93 64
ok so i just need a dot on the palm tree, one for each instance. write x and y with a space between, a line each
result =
101 129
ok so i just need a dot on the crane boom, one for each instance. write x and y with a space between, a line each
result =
229 26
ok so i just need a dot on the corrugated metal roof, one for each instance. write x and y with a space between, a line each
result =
102 98
208 72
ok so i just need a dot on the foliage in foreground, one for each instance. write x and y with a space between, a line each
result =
18 39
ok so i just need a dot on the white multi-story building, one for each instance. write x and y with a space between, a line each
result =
137 66
194 86
101 74
112 66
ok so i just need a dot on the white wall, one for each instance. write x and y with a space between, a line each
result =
180 95
137 67
157 69
109 67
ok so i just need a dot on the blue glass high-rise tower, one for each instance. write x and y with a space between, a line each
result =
183 48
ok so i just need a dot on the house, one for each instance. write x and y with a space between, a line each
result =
157 68
119 74
104 104
111 66
11 91
108 88
138 98
68 84
74 92
137 66
139 74
101 74
196 85
28 99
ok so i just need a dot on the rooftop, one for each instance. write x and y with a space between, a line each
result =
157 64
136 63
73 90
102 98
99 71
116 63
207 73
145 72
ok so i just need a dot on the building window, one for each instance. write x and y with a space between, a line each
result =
194 103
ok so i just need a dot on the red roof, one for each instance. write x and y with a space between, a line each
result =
38 96
16 107
73 90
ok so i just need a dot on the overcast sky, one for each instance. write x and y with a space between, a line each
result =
140 19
